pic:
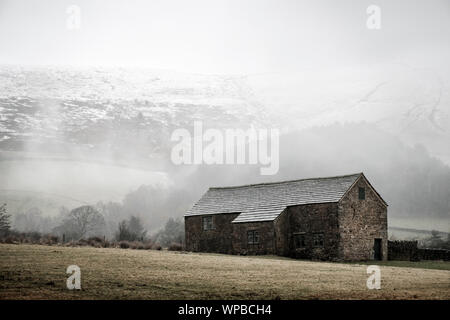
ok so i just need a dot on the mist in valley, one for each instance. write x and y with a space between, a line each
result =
415 184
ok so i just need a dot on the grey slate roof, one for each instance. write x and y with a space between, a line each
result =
264 202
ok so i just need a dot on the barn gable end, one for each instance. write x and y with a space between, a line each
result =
361 222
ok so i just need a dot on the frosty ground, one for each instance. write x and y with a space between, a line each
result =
39 272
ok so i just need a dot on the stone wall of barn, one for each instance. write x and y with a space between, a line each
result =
265 244
217 240
227 237
361 222
281 227
309 221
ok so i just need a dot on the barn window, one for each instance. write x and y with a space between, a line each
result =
300 240
362 193
252 237
208 223
318 239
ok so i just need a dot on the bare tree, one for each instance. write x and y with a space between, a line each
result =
123 232
5 224
82 222
173 232
131 230
137 228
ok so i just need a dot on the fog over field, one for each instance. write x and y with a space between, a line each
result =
87 117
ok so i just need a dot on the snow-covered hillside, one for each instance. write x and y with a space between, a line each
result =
102 110
411 103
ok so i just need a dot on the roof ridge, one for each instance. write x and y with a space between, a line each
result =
286 181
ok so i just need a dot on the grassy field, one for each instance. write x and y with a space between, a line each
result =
38 272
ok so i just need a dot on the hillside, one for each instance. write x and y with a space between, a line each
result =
99 110
72 136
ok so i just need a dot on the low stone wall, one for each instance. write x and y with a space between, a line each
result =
403 250
434 254
408 251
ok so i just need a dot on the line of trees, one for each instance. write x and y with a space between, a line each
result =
87 221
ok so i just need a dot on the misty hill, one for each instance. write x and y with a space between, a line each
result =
415 234
113 113
100 111
415 185
98 135
409 102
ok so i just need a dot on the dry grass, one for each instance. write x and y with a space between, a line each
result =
38 272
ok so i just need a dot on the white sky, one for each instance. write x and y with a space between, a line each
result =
218 36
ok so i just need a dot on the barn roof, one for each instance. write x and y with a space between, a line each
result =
265 201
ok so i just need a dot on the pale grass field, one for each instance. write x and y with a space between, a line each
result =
38 272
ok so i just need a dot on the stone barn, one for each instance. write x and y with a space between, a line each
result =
333 218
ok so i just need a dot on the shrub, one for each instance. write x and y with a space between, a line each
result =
124 244
134 245
44 241
175 247
69 244
95 242
95 239
148 246
51 240
114 244
10 239
82 242
31 237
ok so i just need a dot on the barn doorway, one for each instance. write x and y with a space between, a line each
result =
377 249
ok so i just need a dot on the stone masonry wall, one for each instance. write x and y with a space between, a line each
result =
360 223
266 238
309 220
217 240
281 228
227 237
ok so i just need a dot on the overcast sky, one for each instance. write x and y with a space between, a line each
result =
224 36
